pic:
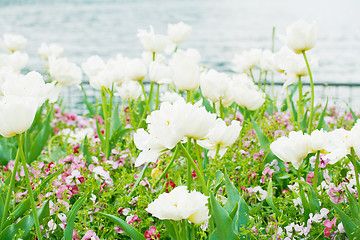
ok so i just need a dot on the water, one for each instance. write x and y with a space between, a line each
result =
220 28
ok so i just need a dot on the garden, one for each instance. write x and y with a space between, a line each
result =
173 150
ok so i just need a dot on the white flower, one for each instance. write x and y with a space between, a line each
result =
103 74
129 90
13 42
354 137
301 36
295 67
30 85
245 93
100 173
179 32
64 72
317 140
152 42
293 148
186 72
180 204
52 225
169 97
16 114
169 125
160 73
16 61
50 50
136 69
337 145
221 135
243 63
214 85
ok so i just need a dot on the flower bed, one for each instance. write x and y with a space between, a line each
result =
213 157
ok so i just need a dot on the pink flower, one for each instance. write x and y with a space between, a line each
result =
90 235
336 195
329 225
310 178
152 234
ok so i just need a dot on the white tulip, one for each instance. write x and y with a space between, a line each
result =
16 114
337 145
16 61
301 36
129 90
179 32
64 72
293 148
169 97
246 94
31 85
160 73
50 50
354 137
180 204
186 72
152 42
13 42
221 135
136 69
243 63
214 85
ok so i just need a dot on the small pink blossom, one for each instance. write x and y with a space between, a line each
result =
90 235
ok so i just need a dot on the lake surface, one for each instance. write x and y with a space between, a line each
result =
220 28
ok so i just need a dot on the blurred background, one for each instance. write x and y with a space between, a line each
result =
221 29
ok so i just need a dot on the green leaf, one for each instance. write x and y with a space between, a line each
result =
130 230
354 206
68 233
26 224
353 114
5 152
269 200
322 116
219 178
41 139
241 219
24 205
139 179
115 119
89 106
233 195
222 221
264 141
169 224
85 151
207 105
303 123
120 132
311 205
351 229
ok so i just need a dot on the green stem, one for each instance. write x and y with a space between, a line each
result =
252 76
316 172
243 125
235 109
217 152
288 103
150 95
10 190
138 179
259 83
266 73
300 106
154 56
188 97
189 177
168 166
28 185
198 173
353 161
146 99
157 97
221 111
214 108
312 93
